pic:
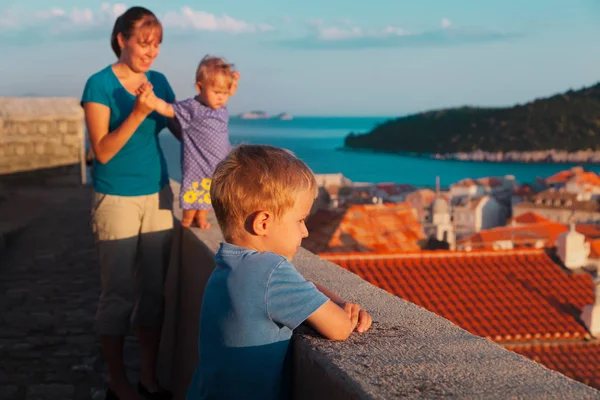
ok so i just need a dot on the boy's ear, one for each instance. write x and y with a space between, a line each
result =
198 87
261 221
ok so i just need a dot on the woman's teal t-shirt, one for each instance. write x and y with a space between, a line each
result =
139 168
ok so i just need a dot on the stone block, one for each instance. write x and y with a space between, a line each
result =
50 391
73 126
42 127
39 148
72 139
23 128
63 127
9 392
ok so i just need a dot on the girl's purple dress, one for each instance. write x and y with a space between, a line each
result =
205 143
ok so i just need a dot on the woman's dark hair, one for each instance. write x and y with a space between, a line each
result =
125 25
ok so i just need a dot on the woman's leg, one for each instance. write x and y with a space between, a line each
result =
154 251
116 222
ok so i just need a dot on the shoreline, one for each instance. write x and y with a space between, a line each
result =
555 157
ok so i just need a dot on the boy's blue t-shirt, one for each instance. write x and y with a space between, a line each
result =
139 168
252 303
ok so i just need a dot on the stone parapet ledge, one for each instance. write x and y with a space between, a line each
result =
42 138
409 352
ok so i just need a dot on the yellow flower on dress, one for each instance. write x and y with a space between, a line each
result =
207 198
206 184
195 185
190 197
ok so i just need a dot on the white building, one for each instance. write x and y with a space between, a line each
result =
472 214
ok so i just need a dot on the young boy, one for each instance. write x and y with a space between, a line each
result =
255 297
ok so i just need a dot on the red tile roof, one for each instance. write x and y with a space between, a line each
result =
579 361
564 176
393 189
526 234
507 296
578 174
381 228
522 235
468 182
589 178
529 217
594 248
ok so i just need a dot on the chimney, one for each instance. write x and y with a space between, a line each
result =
572 248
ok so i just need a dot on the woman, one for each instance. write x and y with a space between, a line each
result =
132 212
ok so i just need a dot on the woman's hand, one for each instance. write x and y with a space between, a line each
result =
145 101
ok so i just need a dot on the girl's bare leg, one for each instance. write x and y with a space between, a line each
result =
188 218
201 219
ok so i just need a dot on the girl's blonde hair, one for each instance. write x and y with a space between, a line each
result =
211 67
256 178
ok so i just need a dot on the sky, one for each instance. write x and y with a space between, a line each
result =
322 57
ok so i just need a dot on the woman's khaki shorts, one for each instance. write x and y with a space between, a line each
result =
133 237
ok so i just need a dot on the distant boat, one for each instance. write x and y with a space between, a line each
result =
254 115
283 117
264 115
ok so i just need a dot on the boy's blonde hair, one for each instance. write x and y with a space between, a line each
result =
211 67
257 178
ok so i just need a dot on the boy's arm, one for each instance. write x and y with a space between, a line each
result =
165 109
159 105
332 296
359 317
331 321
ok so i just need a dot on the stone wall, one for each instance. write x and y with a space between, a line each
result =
41 141
408 353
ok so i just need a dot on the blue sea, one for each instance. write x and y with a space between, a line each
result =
317 140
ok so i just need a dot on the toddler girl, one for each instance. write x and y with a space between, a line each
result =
205 135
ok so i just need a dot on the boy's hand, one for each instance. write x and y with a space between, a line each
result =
359 317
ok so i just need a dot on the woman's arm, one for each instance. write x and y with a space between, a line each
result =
104 143
175 127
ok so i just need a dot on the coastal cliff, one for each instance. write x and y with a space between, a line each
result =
561 128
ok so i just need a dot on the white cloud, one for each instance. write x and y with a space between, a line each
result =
55 12
8 20
81 17
335 33
330 36
395 31
60 21
188 18
265 28
114 10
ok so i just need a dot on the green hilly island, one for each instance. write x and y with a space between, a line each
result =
567 122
